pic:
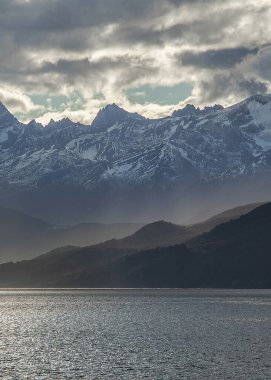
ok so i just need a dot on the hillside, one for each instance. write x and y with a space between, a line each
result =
224 216
156 234
162 233
233 254
24 237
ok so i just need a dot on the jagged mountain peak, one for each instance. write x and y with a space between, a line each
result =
33 123
51 123
216 107
60 123
6 118
188 110
113 106
111 114
66 122
191 110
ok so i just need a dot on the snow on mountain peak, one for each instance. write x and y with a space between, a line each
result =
260 111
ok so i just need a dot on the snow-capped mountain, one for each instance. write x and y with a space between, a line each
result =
124 151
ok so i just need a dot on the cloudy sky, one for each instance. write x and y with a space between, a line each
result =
68 58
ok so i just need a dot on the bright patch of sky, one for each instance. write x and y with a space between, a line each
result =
53 104
163 95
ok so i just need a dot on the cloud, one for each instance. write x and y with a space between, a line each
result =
104 49
227 87
259 64
249 75
18 102
223 58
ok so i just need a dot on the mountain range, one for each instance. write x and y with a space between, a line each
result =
234 254
126 168
25 237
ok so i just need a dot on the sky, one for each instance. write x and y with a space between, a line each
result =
69 58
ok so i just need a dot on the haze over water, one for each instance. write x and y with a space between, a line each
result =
135 334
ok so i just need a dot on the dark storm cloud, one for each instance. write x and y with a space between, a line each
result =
85 68
194 29
222 58
78 25
64 66
252 87
224 85
67 15
249 74
261 63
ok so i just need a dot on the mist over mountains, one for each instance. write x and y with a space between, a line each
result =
123 167
235 254
24 237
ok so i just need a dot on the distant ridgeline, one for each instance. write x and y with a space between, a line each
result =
234 254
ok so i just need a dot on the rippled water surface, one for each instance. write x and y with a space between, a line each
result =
135 334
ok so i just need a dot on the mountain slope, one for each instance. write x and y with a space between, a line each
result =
225 216
252 228
156 234
162 233
24 237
